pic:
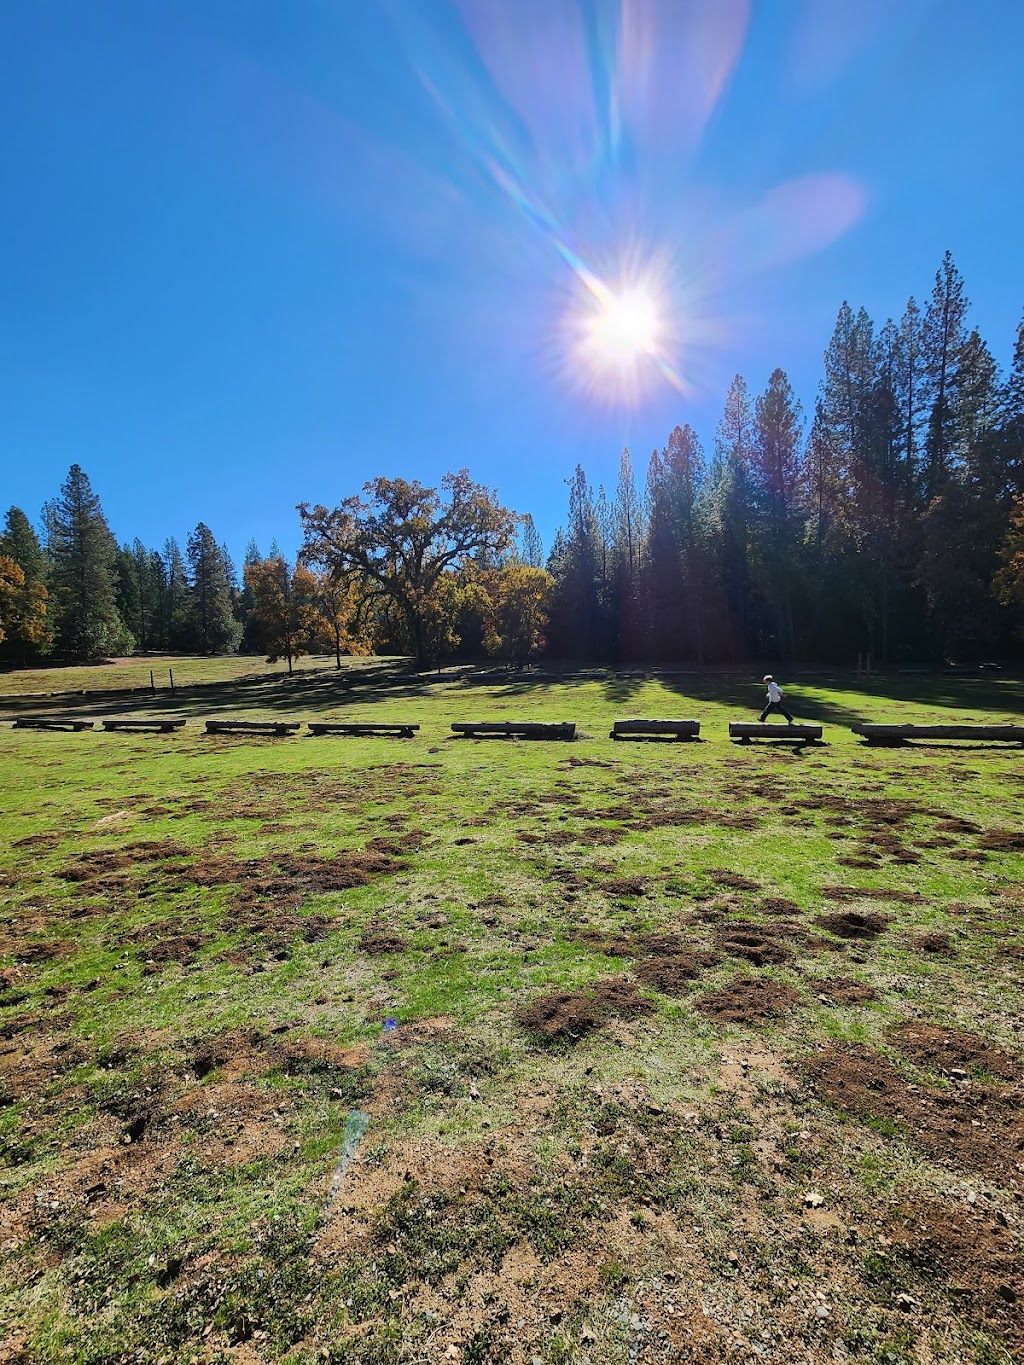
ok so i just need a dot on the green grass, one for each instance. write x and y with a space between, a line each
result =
509 1198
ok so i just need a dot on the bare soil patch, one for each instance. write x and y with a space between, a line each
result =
970 1256
672 975
976 1127
865 924
625 886
721 876
778 905
934 942
1002 840
376 944
844 990
565 1016
748 1000
943 1049
760 944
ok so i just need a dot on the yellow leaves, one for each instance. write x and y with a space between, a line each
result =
22 606
515 602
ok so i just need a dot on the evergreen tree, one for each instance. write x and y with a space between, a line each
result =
214 628
777 529
19 542
728 510
82 556
909 394
531 547
626 538
175 623
942 349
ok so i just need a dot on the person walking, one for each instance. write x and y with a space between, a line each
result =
774 700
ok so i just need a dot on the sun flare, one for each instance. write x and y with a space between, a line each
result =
626 326
622 336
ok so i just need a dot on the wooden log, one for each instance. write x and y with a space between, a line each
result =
525 729
150 723
66 723
899 734
682 729
329 727
799 734
252 727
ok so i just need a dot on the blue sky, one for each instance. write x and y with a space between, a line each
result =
256 253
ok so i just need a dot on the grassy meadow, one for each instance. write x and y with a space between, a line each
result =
380 1051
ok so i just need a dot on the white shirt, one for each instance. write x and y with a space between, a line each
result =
773 692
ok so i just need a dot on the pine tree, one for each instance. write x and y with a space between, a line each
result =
729 510
626 537
942 348
776 479
214 627
20 542
531 547
82 556
909 394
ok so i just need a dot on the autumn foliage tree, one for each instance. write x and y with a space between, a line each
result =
515 601
404 548
285 602
22 607
337 624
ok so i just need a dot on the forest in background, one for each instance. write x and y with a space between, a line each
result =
890 520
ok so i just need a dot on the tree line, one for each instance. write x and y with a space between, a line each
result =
891 521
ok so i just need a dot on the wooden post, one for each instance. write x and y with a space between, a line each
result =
152 684
170 674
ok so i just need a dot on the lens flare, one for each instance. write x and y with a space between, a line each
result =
626 326
621 337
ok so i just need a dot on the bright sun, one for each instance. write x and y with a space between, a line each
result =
626 326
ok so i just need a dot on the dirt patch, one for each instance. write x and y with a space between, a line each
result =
759 944
970 1126
48 840
957 826
1002 840
970 1256
721 876
103 861
625 886
935 942
661 817
672 975
377 944
778 905
748 1000
945 1049
180 948
843 990
288 880
865 924
565 1016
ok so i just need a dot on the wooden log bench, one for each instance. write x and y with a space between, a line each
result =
360 727
900 734
678 729
515 729
746 730
252 727
51 723
164 724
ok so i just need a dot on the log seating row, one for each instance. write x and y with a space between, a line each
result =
743 731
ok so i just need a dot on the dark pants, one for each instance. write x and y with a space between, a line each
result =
775 706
